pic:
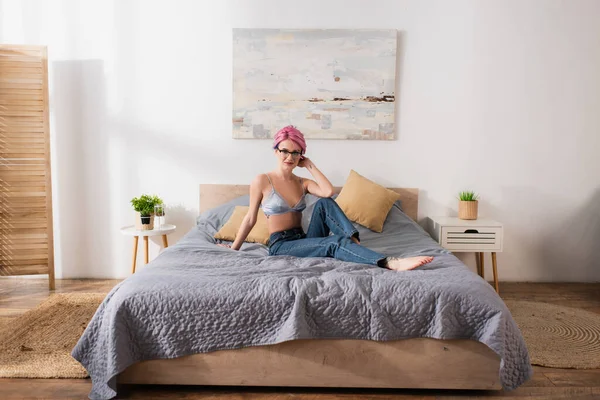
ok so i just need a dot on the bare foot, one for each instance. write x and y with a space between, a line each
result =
405 264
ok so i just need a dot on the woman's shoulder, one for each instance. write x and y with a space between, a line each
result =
260 180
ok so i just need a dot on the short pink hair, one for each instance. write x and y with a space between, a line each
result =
290 132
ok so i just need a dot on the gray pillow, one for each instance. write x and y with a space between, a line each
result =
216 217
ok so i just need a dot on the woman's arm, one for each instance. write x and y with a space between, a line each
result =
250 218
322 187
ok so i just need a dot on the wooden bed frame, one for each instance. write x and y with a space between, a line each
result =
419 363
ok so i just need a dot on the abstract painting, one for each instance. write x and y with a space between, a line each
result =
330 84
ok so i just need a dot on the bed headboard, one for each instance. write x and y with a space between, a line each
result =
213 195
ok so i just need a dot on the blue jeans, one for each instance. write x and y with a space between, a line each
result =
327 218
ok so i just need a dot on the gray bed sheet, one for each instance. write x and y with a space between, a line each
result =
196 297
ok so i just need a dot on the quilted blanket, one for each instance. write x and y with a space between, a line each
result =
197 297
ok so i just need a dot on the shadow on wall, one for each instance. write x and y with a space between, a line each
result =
82 185
557 240
176 215
544 239
178 153
573 239
130 143
85 141
426 203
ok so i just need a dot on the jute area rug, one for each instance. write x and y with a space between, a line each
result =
557 336
38 343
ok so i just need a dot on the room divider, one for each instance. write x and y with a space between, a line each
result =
26 240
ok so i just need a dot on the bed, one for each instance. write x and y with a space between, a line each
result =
200 314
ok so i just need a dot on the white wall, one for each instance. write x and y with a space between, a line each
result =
502 97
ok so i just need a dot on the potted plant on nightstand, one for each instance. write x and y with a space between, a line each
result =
144 207
467 205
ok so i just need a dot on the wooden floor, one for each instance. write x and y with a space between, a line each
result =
20 295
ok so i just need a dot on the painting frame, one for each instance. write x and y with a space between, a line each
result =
329 83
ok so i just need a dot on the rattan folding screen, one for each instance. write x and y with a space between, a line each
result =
26 240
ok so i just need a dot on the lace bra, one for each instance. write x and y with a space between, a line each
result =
274 204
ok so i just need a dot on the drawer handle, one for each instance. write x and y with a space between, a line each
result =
471 231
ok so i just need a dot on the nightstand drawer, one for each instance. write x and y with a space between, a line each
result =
476 238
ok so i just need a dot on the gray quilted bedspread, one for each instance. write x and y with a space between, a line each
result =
197 297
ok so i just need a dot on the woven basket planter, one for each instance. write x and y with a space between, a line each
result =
140 223
467 209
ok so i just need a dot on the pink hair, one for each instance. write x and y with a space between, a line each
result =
290 132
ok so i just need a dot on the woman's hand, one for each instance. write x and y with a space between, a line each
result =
224 245
305 163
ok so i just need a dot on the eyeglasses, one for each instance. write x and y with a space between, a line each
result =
285 153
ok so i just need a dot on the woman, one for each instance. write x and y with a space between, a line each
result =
280 188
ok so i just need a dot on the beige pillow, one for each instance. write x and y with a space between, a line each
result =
366 202
258 234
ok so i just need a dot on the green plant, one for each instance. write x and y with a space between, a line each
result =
467 196
145 204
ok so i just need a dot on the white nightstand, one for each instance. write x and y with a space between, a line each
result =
478 236
131 231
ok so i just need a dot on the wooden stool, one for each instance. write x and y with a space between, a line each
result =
131 231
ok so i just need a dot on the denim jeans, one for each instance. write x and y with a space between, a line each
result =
327 218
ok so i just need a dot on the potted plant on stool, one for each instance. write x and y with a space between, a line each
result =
467 205
144 207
